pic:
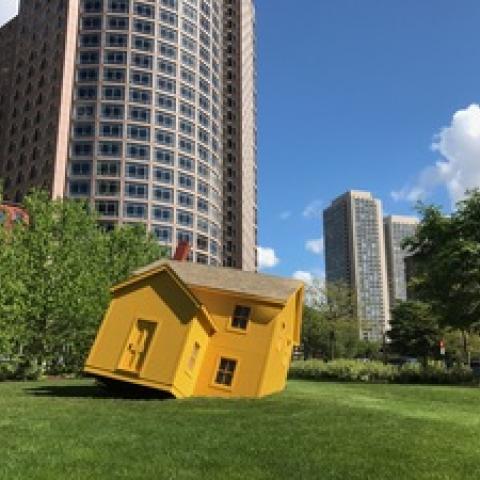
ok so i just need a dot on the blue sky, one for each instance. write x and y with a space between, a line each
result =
352 95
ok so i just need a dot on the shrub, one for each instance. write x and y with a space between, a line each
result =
19 368
377 372
342 370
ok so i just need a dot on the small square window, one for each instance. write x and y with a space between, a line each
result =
226 371
240 318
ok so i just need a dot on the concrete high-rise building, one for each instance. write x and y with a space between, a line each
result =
355 256
240 135
397 229
145 108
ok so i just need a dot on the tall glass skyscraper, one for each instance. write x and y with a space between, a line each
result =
355 257
146 108
397 229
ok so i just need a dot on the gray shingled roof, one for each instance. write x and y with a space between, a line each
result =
229 279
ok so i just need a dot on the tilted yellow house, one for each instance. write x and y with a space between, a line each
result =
197 330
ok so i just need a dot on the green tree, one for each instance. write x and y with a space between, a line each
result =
56 278
330 324
446 255
12 307
414 330
313 332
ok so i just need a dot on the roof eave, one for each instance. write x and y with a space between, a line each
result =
164 267
258 298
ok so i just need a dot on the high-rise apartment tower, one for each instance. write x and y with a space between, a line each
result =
397 229
355 257
146 108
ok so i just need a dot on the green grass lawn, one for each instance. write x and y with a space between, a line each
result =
71 430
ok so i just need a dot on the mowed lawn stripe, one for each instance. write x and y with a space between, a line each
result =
70 429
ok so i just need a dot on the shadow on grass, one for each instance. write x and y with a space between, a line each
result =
101 390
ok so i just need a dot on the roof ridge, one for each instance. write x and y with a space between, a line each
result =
229 279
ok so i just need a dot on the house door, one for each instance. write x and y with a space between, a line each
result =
137 346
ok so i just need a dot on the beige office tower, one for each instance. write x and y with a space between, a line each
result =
240 149
397 229
355 257
121 103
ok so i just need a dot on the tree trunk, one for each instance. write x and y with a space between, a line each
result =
425 362
466 347
332 345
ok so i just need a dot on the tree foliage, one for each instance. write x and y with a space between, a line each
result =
330 325
414 330
55 275
446 257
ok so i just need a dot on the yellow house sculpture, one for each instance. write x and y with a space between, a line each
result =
197 330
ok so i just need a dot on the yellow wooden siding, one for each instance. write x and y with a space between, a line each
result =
280 352
186 377
187 315
249 348
157 299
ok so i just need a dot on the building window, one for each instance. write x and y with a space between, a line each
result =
167 103
169 18
136 132
241 317
115 58
134 170
141 78
79 187
140 96
81 169
113 93
162 194
225 372
110 149
167 51
117 40
165 157
108 188
162 214
118 6
144 10
112 111
184 218
168 68
144 44
106 208
185 236
142 26
108 168
163 175
136 151
118 23
166 85
139 114
136 210
114 74
162 234
136 190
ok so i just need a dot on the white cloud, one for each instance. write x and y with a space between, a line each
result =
306 277
285 215
8 10
315 246
267 258
459 169
314 210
